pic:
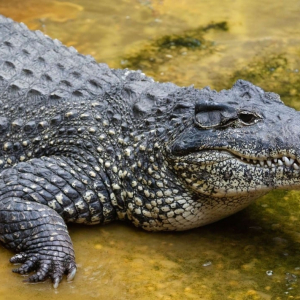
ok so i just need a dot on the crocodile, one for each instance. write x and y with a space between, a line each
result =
83 143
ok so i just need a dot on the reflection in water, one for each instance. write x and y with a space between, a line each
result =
251 255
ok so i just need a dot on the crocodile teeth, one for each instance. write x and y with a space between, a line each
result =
286 161
272 163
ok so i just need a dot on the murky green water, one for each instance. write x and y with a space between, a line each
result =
254 254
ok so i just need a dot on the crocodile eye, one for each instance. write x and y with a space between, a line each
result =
248 118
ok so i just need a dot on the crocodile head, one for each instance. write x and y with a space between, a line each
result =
237 143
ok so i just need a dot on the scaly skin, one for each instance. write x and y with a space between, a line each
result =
84 143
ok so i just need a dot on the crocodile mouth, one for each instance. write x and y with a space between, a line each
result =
280 161
212 156
283 161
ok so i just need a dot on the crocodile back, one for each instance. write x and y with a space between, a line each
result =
34 68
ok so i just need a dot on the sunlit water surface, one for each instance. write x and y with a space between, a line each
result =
254 254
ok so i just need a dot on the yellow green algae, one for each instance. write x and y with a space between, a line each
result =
254 254
154 54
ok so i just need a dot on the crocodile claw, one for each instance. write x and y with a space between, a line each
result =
71 273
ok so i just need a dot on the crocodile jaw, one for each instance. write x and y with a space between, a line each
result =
222 173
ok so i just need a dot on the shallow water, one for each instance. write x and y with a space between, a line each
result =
254 254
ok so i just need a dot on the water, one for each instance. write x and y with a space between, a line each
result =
254 254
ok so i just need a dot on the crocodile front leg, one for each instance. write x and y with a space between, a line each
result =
41 237
37 197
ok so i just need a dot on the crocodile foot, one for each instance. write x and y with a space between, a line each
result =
43 244
46 265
